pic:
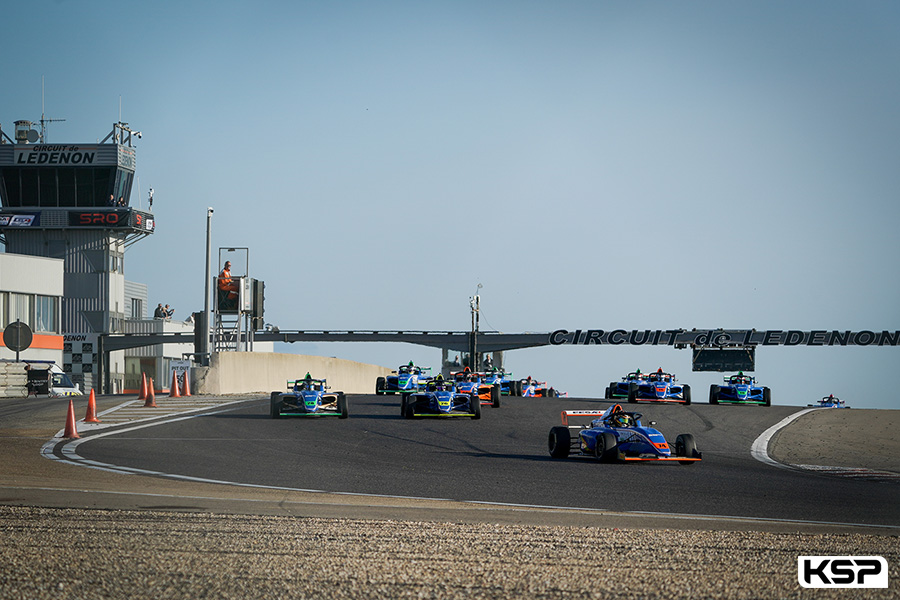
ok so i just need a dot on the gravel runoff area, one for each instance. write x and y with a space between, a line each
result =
86 554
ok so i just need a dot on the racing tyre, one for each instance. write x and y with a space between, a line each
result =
605 447
767 397
551 393
475 405
409 407
559 442
518 385
714 394
275 405
404 400
495 396
686 394
686 447
342 406
632 392
379 386
608 393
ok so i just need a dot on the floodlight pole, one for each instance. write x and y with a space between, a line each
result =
475 304
204 340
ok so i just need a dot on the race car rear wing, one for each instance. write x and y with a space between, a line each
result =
580 413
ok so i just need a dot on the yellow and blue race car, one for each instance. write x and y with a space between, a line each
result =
440 398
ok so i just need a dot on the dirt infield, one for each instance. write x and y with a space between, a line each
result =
840 437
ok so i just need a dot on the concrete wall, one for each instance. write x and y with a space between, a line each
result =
265 372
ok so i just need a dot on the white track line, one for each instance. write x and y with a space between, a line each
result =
71 456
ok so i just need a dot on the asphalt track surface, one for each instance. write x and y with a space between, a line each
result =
501 458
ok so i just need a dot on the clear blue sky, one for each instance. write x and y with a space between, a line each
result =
646 165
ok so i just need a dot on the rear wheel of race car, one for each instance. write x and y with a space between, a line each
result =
714 394
559 442
551 393
379 386
475 406
686 393
275 405
767 397
608 393
605 447
518 385
495 396
342 406
632 392
685 446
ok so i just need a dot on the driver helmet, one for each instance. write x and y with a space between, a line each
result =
621 420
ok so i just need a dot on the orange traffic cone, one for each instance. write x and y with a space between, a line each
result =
71 432
187 384
173 389
151 394
91 416
143 394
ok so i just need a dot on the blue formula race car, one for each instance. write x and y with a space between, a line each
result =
740 389
659 387
440 399
830 401
619 389
407 378
618 436
308 397
508 385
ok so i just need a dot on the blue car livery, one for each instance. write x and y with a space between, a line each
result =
615 435
659 387
830 401
407 378
308 397
619 389
440 399
740 389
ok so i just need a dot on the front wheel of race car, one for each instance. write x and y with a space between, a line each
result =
686 447
404 401
409 407
559 442
518 385
379 386
767 397
686 393
632 392
475 405
605 447
495 396
275 405
343 411
714 394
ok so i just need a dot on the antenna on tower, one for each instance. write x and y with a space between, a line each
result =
45 120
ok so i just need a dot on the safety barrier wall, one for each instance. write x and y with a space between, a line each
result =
264 372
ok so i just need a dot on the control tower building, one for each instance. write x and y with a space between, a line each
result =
73 202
